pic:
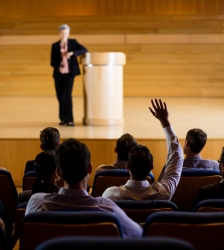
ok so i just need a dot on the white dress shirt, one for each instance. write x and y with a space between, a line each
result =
161 190
80 200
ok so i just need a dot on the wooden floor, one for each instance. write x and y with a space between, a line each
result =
22 119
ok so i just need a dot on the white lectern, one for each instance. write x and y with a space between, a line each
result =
103 88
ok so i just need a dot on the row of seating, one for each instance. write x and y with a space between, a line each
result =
38 227
138 211
195 228
80 243
190 182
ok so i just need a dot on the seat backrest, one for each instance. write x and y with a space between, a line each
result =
8 193
80 243
202 230
213 205
190 182
108 178
20 213
139 211
28 180
40 226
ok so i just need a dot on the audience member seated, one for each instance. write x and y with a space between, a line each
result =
49 141
213 191
123 146
47 176
74 166
140 163
194 143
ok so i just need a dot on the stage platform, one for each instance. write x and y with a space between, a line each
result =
22 119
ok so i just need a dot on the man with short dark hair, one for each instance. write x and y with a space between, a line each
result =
140 163
123 146
194 143
74 166
49 138
49 141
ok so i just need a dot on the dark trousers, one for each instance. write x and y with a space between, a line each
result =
63 86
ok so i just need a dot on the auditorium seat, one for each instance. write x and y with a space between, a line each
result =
28 180
40 226
202 230
211 205
20 213
140 210
80 243
8 193
108 178
190 182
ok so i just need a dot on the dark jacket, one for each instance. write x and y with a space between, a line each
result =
213 191
77 49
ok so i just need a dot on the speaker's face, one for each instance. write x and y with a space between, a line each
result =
64 34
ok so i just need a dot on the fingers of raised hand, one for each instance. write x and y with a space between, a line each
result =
157 105
152 111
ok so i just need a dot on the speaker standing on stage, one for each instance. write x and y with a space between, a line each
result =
64 61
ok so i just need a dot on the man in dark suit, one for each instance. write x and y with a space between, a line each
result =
64 61
213 191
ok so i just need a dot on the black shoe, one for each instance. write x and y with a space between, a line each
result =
61 123
71 124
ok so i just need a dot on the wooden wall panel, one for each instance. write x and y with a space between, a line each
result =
195 70
15 153
109 7
161 59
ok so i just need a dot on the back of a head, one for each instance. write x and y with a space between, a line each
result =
49 138
73 159
197 139
45 165
123 146
140 162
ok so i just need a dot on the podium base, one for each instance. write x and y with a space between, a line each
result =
103 122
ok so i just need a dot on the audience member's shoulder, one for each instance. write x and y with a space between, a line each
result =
105 201
211 163
105 167
111 193
41 196
210 187
215 162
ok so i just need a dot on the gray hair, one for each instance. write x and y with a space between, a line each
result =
63 27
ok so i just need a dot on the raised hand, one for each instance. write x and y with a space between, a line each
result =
160 112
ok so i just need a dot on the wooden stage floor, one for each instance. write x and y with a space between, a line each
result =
22 119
